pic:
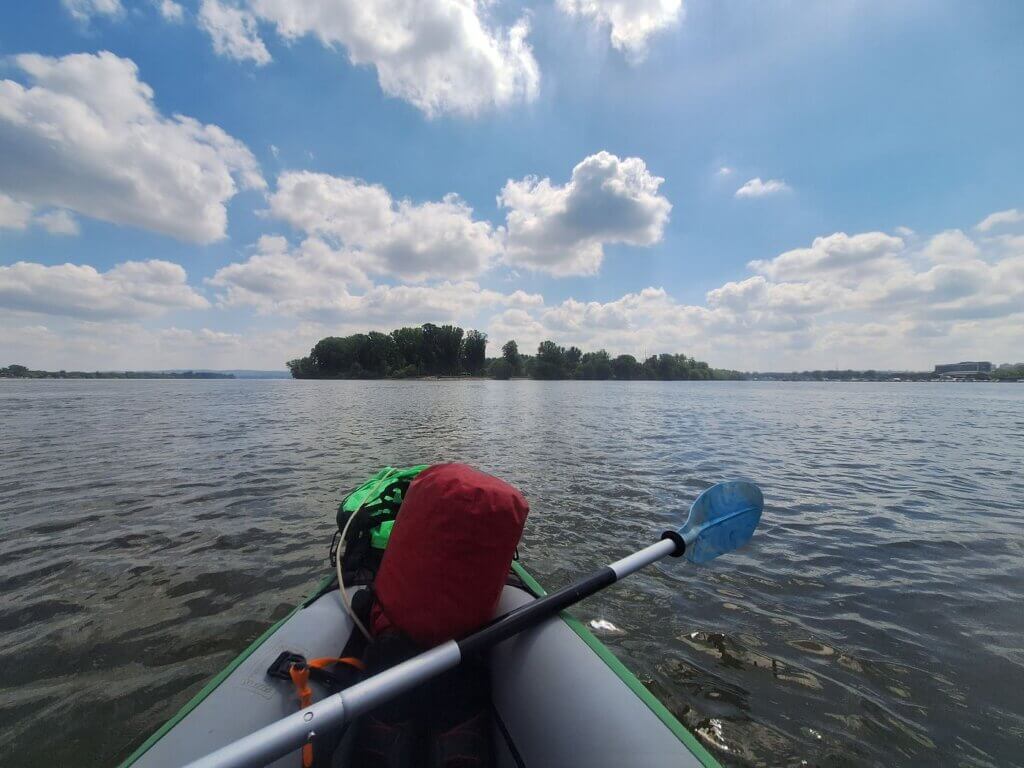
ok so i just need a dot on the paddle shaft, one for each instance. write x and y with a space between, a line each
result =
292 732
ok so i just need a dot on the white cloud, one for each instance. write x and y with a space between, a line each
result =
83 10
14 214
171 11
439 55
280 280
758 293
316 281
837 256
950 246
399 238
757 188
866 300
59 222
724 171
70 344
563 229
233 31
86 136
455 302
993 220
129 290
631 22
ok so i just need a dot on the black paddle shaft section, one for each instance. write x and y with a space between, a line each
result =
536 612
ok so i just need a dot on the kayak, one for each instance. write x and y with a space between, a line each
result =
561 698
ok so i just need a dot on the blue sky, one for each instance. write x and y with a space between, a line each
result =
307 189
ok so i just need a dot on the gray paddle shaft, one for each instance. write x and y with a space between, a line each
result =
292 732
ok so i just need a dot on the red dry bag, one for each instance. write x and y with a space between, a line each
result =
448 555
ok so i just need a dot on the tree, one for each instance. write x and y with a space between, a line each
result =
377 353
650 367
573 356
409 345
449 349
595 365
333 355
302 368
474 352
501 369
430 349
550 362
626 368
510 352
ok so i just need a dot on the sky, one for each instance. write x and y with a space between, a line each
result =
764 186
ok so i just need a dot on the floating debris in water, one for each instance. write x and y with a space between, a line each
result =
603 625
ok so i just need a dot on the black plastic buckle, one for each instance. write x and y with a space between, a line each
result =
281 668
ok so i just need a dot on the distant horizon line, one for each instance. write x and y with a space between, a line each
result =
285 370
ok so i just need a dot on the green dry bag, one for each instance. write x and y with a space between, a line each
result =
377 502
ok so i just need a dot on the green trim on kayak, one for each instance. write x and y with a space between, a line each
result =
221 676
625 675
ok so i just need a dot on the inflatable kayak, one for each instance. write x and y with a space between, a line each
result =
561 698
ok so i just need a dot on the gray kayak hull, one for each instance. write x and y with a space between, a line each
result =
560 697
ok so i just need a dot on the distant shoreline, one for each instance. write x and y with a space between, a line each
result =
144 376
858 377
21 372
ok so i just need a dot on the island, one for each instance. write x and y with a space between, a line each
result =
448 351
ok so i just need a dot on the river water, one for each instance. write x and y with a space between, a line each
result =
149 530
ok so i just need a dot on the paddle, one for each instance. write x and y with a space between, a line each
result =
721 519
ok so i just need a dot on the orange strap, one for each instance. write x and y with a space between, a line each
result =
300 679
349 660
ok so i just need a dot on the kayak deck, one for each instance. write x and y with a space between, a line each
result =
560 696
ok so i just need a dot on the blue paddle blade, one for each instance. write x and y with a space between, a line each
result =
723 518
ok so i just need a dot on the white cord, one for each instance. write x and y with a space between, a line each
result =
337 560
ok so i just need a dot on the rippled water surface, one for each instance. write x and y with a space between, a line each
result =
149 530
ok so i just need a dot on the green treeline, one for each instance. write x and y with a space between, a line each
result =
555 362
1009 373
447 350
430 350
22 372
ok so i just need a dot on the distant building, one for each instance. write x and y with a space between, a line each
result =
964 369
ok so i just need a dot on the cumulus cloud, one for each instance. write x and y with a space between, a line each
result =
317 281
757 188
129 290
442 56
280 279
1000 218
838 256
14 214
562 229
631 22
127 345
83 10
171 11
950 246
867 300
394 237
233 31
17 215
86 136
58 222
